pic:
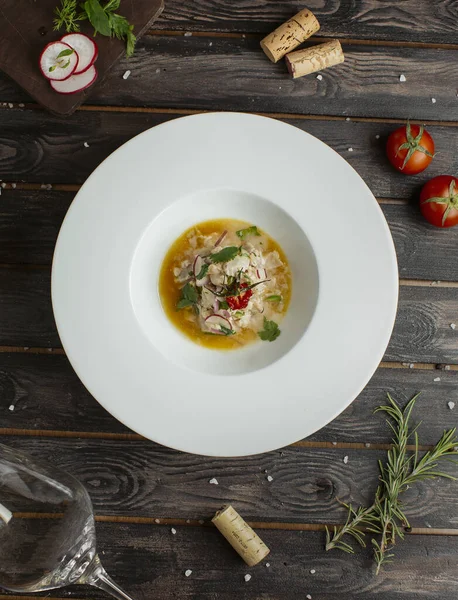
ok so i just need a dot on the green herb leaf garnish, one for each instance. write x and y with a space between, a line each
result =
270 332
203 271
67 52
223 305
274 298
243 233
224 255
189 296
103 19
227 331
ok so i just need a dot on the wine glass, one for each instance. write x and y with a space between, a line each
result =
54 550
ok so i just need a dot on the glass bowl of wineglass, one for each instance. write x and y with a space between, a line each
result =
47 529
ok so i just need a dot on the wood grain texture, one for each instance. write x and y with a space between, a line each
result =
140 478
40 148
30 222
47 395
234 74
150 562
422 332
409 20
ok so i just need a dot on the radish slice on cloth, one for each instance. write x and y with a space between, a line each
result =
58 61
86 49
75 83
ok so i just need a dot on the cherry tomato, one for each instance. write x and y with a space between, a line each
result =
410 149
439 201
241 301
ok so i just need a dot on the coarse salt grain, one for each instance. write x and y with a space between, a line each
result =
210 44
126 74
86 145
447 368
345 459
437 378
214 481
452 325
13 185
309 597
3 185
347 119
312 571
411 366
377 137
433 100
247 577
158 70
11 407
267 565
451 405
174 531
319 77
10 105
402 78
367 445
350 149
188 34
188 572
21 105
334 443
270 478
156 521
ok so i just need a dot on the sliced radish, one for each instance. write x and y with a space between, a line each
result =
75 83
218 321
58 61
85 47
197 266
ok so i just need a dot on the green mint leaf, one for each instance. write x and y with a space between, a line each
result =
270 332
112 5
65 53
203 271
227 331
98 17
274 298
224 255
243 233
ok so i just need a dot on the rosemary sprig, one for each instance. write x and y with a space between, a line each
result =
385 516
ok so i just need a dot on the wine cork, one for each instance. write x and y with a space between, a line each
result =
304 62
240 536
290 35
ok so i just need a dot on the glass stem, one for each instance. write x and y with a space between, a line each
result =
98 577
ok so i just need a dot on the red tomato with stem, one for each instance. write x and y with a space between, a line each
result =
410 149
439 201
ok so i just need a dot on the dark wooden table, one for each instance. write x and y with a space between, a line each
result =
139 489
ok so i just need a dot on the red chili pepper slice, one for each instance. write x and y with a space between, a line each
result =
241 301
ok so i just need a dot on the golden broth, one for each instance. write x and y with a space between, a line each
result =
170 291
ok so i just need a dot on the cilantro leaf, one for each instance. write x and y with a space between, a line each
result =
189 296
243 233
223 305
270 332
203 271
225 254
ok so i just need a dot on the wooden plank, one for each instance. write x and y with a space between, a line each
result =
30 222
47 395
39 148
149 561
413 20
422 332
219 74
143 479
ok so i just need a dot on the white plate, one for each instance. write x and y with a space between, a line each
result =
159 383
